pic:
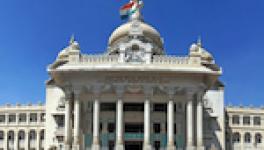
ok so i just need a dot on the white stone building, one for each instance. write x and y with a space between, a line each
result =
244 128
22 127
132 97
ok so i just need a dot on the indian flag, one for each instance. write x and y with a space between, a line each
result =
129 9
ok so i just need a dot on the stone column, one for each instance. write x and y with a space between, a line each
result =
68 127
189 122
119 126
119 119
6 118
199 113
148 91
77 120
38 139
6 140
28 118
147 144
17 118
15 139
170 124
96 124
26 140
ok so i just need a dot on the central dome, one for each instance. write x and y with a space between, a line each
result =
126 30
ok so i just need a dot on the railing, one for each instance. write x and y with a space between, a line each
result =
171 60
94 59
113 59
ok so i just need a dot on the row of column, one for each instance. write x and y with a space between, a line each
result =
120 123
16 141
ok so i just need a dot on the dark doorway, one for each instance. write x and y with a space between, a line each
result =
133 145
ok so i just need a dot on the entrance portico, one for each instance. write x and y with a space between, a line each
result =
193 99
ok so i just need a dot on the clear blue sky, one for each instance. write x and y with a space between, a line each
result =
32 32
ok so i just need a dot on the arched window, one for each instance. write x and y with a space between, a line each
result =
42 135
21 135
247 138
11 136
236 137
1 135
235 119
32 135
258 138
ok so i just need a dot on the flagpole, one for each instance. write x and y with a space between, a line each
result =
137 14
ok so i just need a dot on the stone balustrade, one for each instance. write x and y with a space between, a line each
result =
96 59
157 60
170 60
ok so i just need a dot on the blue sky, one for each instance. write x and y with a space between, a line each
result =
33 32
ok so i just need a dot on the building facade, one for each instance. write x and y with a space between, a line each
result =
244 128
132 97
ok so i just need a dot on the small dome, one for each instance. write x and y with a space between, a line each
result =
125 29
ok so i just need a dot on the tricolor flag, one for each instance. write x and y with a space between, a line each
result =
130 8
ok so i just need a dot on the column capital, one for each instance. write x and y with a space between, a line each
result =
77 92
148 91
200 96
77 89
190 95
67 88
96 90
171 90
120 90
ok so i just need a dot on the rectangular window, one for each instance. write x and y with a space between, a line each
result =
235 119
257 121
60 121
2 118
22 117
157 145
156 127
246 120
33 117
108 106
42 117
1 135
111 127
134 128
133 107
160 107
12 118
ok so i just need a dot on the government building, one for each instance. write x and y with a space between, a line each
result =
132 97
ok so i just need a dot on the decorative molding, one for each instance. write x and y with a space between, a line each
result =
136 79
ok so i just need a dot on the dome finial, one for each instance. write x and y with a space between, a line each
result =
199 41
72 40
